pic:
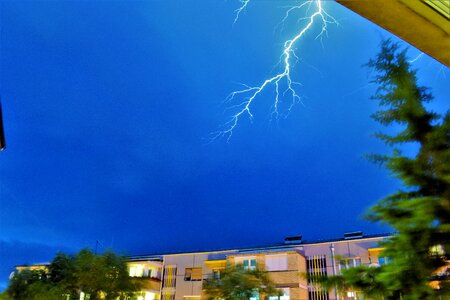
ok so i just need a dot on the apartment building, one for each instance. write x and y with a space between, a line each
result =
147 270
180 276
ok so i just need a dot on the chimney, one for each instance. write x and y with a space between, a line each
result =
353 235
290 240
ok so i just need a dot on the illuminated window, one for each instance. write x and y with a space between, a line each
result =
437 250
255 295
193 274
284 294
136 270
276 263
149 296
152 272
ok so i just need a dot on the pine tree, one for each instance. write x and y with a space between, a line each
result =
420 212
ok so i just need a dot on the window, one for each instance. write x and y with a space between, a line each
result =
384 260
351 295
437 250
142 270
169 278
147 296
150 296
216 274
284 292
318 295
193 274
316 266
349 262
276 263
136 270
249 263
153 273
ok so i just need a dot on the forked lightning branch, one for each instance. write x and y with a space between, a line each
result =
282 82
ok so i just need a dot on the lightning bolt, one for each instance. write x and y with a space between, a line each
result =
416 58
238 11
248 94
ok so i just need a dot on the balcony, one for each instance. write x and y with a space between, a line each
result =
148 283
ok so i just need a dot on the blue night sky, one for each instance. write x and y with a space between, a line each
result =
108 106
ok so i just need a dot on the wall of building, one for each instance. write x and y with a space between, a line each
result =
326 258
185 288
331 257
181 276
288 276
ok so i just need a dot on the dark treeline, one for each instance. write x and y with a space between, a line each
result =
102 276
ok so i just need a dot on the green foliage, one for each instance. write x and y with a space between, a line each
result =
4 296
361 278
61 274
421 212
45 291
99 276
18 286
237 283
103 275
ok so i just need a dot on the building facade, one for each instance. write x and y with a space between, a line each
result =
180 276
149 271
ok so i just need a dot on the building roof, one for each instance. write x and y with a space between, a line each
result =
266 248
221 253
